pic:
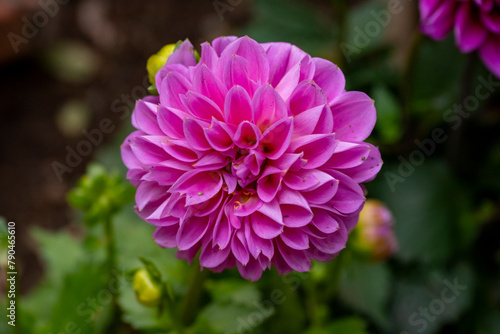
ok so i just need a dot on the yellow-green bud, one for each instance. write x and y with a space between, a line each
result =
374 236
158 60
147 291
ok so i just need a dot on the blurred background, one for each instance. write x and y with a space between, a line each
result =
65 66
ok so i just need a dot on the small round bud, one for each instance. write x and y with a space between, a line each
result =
158 60
147 291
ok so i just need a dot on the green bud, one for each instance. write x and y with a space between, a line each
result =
158 60
100 194
147 290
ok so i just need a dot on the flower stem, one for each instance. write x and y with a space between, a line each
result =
191 305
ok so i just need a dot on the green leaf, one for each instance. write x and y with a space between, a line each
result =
436 80
424 201
425 301
236 307
366 288
295 22
351 325
388 124
84 301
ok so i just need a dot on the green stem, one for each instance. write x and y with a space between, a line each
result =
174 314
111 258
335 273
407 82
191 303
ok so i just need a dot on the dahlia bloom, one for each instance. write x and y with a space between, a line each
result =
476 24
253 156
374 234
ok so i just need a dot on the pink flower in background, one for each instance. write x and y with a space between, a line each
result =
374 235
254 155
476 24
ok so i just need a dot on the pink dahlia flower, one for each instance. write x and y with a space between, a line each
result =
253 156
476 24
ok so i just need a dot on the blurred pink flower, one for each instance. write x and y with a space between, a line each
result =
374 234
254 155
476 24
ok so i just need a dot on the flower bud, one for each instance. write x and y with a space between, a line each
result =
374 236
147 291
158 60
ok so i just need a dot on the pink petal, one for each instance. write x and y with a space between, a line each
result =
257 245
191 231
305 96
469 32
269 183
211 257
165 236
239 248
238 106
201 106
368 169
148 152
295 238
490 52
254 161
294 207
219 136
333 243
251 271
245 205
275 140
354 116
199 186
324 221
268 107
144 117
349 196
184 55
208 55
220 43
172 87
348 155
171 120
222 230
317 149
492 20
195 136
438 17
329 77
149 192
297 260
128 156
257 64
207 84
306 122
166 173
247 135
180 150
